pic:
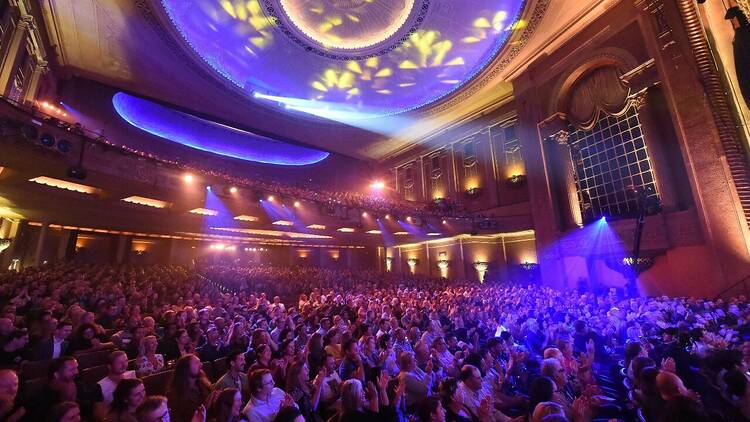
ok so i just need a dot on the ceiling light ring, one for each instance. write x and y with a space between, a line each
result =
285 24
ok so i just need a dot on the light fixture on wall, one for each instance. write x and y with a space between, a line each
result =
443 264
412 262
389 263
529 266
481 268
517 180
473 191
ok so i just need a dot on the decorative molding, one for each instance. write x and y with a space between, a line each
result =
561 137
501 62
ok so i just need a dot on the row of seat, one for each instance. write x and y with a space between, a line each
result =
155 384
33 369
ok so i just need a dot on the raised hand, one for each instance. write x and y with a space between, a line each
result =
287 402
590 347
669 365
318 381
582 409
383 380
199 415
401 389
485 410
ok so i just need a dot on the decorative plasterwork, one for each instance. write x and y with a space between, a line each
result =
290 27
501 62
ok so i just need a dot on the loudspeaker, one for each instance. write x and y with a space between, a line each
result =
47 140
29 132
64 146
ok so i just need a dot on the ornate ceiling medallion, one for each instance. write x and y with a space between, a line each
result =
348 29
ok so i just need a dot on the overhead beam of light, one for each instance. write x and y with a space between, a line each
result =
373 122
223 217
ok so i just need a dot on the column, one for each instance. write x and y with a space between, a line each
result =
423 196
17 43
122 248
690 101
70 247
30 95
5 226
656 142
570 214
531 122
454 179
173 252
489 172
427 254
39 247
62 246
17 248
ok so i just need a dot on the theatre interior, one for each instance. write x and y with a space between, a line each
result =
454 187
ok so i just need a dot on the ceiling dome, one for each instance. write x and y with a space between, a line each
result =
346 59
347 24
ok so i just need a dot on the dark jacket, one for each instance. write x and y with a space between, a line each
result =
44 348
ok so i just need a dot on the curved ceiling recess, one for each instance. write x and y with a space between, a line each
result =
353 58
209 136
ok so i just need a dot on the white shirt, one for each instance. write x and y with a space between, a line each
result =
56 347
264 410
327 393
108 386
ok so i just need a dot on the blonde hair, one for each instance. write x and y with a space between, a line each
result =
351 391
546 408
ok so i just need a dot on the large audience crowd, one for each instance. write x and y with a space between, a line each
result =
220 344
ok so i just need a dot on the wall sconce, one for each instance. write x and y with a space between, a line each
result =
443 264
388 263
473 191
529 266
412 262
517 180
638 266
481 268
4 244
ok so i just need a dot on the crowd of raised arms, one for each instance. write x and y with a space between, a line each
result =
163 343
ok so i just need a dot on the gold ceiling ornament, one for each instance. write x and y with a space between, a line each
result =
348 25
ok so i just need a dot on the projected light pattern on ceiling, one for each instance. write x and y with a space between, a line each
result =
366 58
209 136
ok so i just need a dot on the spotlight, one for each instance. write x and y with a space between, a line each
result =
604 218
233 189
408 219
188 178
445 222
271 198
208 187
377 185
364 214
296 204
387 217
